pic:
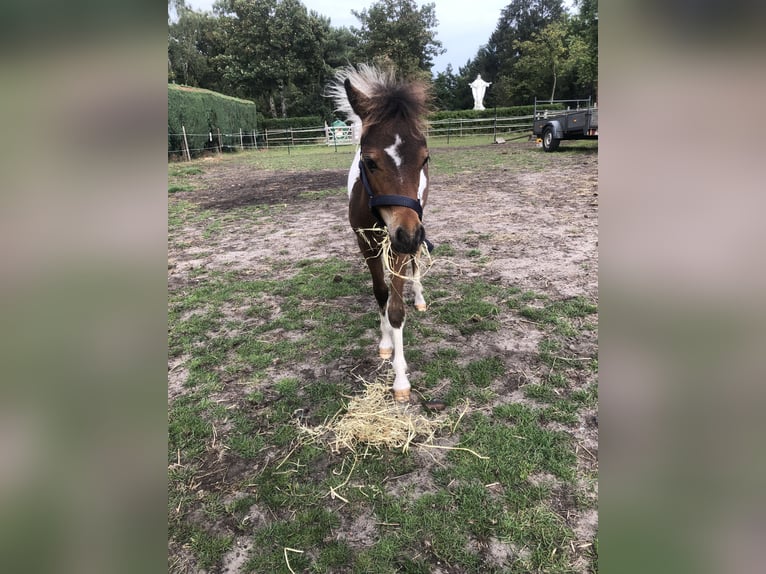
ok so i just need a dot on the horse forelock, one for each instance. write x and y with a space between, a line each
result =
389 98
403 102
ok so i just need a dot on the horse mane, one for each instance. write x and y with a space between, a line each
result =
390 97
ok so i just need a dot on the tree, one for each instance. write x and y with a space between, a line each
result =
498 59
445 90
397 32
340 48
541 59
585 46
188 36
274 52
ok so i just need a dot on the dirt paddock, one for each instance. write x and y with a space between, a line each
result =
538 227
507 215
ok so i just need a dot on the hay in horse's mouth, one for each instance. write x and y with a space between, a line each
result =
386 253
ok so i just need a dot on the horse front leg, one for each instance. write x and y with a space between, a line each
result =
395 316
380 289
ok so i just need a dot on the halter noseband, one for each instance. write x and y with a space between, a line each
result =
381 200
398 200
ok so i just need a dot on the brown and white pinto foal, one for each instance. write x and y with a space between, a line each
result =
388 189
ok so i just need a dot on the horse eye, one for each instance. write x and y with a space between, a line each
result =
370 163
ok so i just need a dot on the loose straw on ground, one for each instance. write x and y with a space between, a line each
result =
286 550
375 420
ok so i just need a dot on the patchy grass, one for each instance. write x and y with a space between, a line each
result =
180 187
449 525
560 314
265 350
473 308
448 160
208 548
179 177
299 159
177 170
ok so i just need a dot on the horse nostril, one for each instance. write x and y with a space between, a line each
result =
405 241
402 238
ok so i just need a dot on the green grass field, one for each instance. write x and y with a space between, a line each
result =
239 475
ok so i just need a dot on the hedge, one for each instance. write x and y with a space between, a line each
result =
204 111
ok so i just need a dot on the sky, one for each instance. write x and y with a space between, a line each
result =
464 26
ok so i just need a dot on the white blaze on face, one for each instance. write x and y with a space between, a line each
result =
422 185
393 151
353 173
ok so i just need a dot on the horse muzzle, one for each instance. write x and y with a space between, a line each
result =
407 241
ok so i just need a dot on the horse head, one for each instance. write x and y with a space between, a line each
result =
393 159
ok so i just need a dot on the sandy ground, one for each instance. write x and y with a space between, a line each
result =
533 229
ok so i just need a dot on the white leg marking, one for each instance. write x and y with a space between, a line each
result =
393 150
422 184
386 346
395 337
401 382
353 173
417 288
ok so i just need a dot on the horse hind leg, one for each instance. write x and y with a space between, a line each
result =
417 286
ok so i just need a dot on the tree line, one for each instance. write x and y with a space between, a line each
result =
281 55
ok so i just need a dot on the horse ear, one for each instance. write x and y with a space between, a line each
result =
359 102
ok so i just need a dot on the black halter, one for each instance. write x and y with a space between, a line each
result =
400 200
382 200
376 200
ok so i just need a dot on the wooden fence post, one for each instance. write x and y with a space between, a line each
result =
186 144
220 143
241 141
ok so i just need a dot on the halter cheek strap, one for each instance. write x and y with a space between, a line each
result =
385 200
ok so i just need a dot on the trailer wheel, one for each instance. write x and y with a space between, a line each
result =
550 143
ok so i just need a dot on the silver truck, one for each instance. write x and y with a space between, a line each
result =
578 122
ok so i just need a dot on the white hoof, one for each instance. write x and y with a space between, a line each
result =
385 352
421 307
402 396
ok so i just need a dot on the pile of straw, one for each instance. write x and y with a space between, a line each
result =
374 419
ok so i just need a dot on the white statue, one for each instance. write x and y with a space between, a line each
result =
478 87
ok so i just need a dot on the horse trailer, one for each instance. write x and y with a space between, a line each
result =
578 122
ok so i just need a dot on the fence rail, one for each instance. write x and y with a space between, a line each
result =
514 127
457 128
